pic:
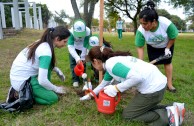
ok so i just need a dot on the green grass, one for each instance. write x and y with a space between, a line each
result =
69 111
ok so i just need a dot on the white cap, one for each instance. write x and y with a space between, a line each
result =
79 28
93 41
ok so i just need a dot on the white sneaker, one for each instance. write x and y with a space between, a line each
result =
181 110
173 115
75 84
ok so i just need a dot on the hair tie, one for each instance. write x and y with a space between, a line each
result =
149 7
102 48
52 29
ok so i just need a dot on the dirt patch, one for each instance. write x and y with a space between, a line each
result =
79 92
188 120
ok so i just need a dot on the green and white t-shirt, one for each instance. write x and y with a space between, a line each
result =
130 71
159 38
22 68
79 44
119 24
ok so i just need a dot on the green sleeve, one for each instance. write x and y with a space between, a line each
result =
120 70
71 40
107 77
44 62
86 42
172 31
139 39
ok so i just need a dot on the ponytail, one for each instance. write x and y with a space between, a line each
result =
149 13
48 36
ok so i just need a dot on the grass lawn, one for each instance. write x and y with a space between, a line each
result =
69 111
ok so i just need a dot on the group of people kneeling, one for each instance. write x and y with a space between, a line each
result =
37 61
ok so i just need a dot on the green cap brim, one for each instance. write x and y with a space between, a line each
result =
79 34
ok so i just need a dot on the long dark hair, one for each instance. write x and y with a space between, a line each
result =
107 44
149 13
103 53
48 36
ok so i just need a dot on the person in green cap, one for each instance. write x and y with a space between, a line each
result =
77 46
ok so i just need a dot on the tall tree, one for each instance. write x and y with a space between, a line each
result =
89 6
130 8
112 16
60 17
188 5
163 12
179 23
75 9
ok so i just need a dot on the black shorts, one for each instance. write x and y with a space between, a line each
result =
154 53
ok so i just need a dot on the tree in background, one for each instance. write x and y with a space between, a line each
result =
127 7
112 16
60 17
106 24
95 22
188 6
179 23
191 18
163 12
89 6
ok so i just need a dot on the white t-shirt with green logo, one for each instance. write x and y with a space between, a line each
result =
130 71
22 68
159 38
119 24
79 44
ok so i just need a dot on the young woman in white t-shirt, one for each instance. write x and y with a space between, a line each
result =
129 72
36 62
119 27
159 34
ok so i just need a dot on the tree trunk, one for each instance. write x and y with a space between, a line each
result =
85 16
135 25
88 14
89 6
75 9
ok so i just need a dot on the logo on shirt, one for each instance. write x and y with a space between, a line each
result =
156 38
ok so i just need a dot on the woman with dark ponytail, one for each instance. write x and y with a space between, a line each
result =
130 72
159 33
36 62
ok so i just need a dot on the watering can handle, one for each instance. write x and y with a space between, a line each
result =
119 98
93 94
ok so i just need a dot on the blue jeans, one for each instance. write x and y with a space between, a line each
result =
75 78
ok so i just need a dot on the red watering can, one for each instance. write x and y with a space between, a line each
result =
79 69
105 103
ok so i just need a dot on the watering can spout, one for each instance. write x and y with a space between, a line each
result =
94 95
